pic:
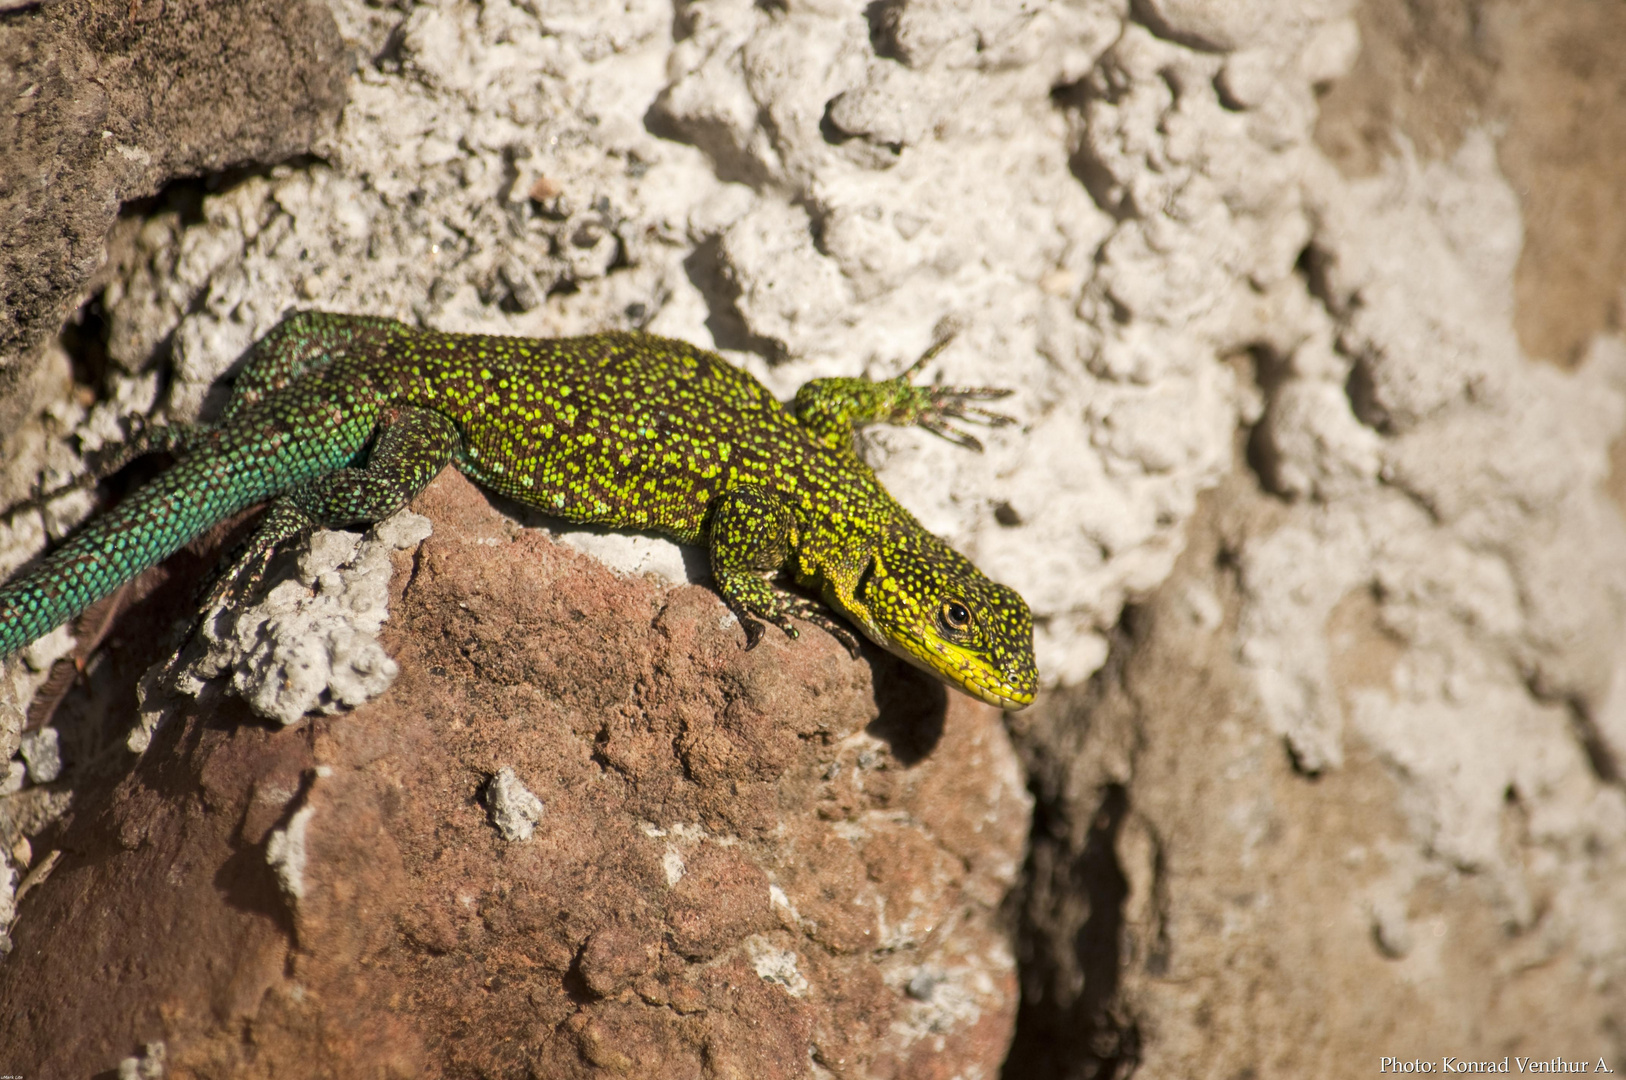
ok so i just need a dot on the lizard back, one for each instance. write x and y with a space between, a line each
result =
624 429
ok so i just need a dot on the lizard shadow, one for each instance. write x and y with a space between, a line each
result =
153 621
913 708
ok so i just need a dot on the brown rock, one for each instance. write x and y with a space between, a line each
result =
616 955
108 102
747 862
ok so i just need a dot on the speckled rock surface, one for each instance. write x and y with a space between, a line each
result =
1361 748
751 864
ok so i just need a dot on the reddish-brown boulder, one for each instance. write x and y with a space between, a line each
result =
745 862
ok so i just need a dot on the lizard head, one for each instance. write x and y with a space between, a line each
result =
926 603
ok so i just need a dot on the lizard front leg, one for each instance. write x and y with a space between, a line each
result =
831 409
753 534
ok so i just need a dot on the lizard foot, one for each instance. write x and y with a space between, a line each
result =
802 608
936 407
238 576
245 567
949 403
752 623
813 612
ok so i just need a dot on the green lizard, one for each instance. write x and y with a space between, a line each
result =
338 419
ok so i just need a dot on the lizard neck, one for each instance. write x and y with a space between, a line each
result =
837 549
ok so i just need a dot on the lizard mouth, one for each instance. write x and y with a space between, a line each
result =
1011 699
967 673
1004 695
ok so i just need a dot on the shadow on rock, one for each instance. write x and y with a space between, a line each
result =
912 708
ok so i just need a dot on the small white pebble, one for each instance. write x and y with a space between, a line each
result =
42 751
149 1066
514 809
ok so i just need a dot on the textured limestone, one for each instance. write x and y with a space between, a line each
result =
515 809
311 644
1423 607
42 754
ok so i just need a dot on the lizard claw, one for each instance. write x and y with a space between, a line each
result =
938 421
953 435
816 615
802 608
955 401
939 405
238 579
845 636
951 403
247 564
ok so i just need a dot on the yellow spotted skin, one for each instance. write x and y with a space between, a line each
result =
340 420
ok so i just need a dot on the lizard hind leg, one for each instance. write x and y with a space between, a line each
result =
242 570
303 342
178 440
408 452
753 534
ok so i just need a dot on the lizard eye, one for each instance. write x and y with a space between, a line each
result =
955 615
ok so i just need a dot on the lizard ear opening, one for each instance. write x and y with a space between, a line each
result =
861 587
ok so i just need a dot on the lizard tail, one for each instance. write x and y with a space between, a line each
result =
115 546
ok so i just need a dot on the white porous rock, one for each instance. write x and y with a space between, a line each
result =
16 690
8 893
775 965
311 644
772 186
22 674
42 752
515 809
634 554
149 1066
286 854
1497 565
953 995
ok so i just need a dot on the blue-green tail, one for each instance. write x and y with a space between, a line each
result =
115 546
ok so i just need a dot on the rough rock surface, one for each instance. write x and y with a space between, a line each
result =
1413 583
751 864
106 103
1365 743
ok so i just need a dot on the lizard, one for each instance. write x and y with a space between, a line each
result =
339 420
